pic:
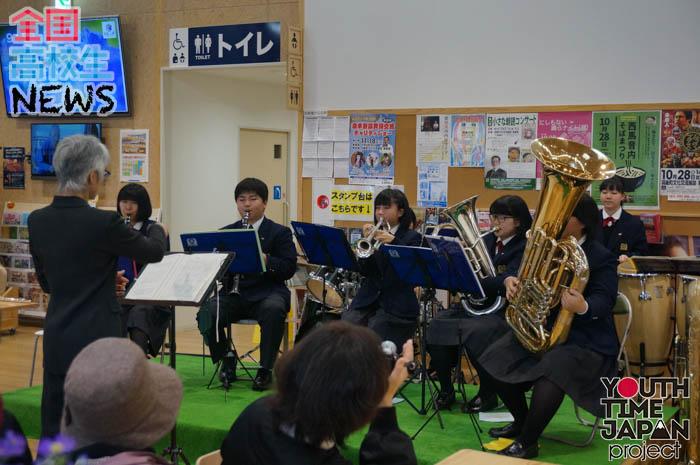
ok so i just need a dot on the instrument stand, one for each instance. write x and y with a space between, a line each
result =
428 298
173 451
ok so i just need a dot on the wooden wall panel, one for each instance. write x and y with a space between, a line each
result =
678 217
145 27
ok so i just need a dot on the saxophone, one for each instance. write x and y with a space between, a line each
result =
550 263
237 277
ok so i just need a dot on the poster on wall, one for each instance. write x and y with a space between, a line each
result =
354 203
372 154
321 197
680 154
13 167
432 184
576 126
631 140
509 162
133 155
467 140
432 136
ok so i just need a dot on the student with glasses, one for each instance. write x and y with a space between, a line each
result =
456 326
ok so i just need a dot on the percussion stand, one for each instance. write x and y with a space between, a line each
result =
428 298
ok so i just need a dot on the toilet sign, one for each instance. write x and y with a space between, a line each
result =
277 192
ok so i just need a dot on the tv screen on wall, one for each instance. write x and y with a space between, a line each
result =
45 137
65 79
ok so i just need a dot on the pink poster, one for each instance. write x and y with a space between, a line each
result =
573 125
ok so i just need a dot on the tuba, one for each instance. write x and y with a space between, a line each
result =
551 264
464 220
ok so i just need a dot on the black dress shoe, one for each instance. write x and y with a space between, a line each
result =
510 431
481 404
227 375
518 451
445 400
262 380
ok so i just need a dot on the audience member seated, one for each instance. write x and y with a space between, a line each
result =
334 382
117 404
13 445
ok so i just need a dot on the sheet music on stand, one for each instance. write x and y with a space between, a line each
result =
325 245
178 279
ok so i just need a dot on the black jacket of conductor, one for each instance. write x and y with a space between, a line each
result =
75 248
275 241
382 284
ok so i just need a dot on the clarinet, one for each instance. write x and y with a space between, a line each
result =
237 277
127 220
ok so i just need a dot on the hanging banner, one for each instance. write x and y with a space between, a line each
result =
372 155
631 140
432 135
467 140
509 162
680 154
432 184
13 167
355 203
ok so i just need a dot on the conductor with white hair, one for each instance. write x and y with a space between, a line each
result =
75 249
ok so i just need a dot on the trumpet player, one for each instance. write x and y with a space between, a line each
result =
575 367
384 303
455 327
263 297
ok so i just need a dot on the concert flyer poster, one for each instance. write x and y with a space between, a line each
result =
680 154
631 140
467 140
432 134
13 167
372 153
576 126
509 162
432 184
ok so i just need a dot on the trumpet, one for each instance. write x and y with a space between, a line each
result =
365 247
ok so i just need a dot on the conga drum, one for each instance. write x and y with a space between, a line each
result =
649 340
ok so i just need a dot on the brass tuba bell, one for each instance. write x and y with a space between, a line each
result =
550 263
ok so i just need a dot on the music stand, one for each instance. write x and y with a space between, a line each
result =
325 246
245 246
173 450
443 265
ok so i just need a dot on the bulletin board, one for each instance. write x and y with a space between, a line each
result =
680 218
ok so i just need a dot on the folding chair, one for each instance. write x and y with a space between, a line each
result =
622 307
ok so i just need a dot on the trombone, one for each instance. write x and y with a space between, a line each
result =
366 246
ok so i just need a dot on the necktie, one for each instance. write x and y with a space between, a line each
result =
609 222
499 246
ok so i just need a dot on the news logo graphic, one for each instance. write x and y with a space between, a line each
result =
634 412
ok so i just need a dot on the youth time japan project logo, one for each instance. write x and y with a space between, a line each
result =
634 412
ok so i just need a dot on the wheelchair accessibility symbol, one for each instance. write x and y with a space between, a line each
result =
177 43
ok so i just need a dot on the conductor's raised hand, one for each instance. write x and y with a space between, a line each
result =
120 283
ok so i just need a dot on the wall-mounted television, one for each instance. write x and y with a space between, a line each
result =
66 79
45 137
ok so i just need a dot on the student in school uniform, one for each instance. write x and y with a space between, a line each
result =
622 233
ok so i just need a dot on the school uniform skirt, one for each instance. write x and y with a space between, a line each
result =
576 370
456 326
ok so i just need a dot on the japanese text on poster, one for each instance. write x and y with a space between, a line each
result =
631 140
467 140
432 135
573 125
133 155
509 162
680 154
432 184
13 167
352 203
372 154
